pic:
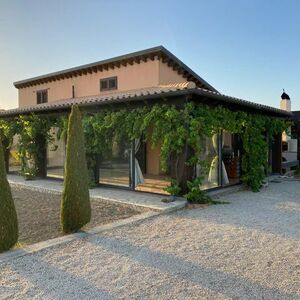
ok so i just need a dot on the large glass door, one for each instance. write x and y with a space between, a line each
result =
115 164
148 175
209 168
231 157
56 156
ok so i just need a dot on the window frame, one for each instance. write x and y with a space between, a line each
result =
41 92
115 78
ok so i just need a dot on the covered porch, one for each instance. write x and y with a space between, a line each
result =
135 164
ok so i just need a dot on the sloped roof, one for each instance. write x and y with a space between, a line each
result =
135 57
164 91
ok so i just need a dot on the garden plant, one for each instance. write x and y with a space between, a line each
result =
75 205
8 216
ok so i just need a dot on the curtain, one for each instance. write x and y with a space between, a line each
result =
138 178
213 175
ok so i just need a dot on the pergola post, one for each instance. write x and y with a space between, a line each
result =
277 154
182 171
41 160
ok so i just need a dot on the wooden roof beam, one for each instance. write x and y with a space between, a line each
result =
170 63
137 60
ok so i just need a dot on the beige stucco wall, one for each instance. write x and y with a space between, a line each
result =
153 160
130 77
168 75
136 76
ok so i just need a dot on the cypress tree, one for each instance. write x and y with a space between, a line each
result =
75 204
8 215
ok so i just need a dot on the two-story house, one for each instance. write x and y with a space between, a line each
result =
148 76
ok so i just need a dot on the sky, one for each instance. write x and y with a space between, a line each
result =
246 49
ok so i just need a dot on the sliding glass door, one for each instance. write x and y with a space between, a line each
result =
220 160
231 156
115 164
209 169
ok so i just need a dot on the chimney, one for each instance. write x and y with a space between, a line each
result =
285 103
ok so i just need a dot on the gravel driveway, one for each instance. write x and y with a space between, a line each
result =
39 214
248 249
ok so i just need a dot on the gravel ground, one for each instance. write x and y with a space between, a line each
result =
39 213
249 249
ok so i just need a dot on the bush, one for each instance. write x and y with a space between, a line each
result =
173 189
75 205
8 216
195 195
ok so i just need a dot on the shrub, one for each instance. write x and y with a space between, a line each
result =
75 205
173 189
8 216
195 195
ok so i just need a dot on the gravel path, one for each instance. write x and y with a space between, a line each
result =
249 249
39 214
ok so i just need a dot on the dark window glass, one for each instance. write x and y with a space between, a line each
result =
112 83
42 96
107 84
103 85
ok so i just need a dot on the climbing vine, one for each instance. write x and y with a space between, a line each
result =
177 130
33 135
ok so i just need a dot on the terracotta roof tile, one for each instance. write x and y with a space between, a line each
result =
139 94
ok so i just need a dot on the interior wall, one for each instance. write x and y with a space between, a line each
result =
153 160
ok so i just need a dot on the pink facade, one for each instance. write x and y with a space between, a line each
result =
149 73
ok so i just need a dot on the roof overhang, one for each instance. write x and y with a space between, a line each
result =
116 62
150 96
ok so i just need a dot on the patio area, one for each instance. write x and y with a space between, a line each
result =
139 199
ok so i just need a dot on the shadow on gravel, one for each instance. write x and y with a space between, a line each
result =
55 283
227 284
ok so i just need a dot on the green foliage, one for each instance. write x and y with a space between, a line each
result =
62 125
170 127
297 171
75 205
173 189
173 128
34 135
195 194
8 215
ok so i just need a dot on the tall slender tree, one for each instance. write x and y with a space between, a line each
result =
8 216
75 204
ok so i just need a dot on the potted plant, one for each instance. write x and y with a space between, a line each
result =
173 189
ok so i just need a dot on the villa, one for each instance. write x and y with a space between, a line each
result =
143 78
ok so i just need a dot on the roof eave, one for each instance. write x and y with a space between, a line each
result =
151 52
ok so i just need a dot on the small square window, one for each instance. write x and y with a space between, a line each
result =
42 96
108 84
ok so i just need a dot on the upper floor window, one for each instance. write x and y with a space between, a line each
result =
42 96
108 84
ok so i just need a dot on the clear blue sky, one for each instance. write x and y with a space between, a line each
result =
246 49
